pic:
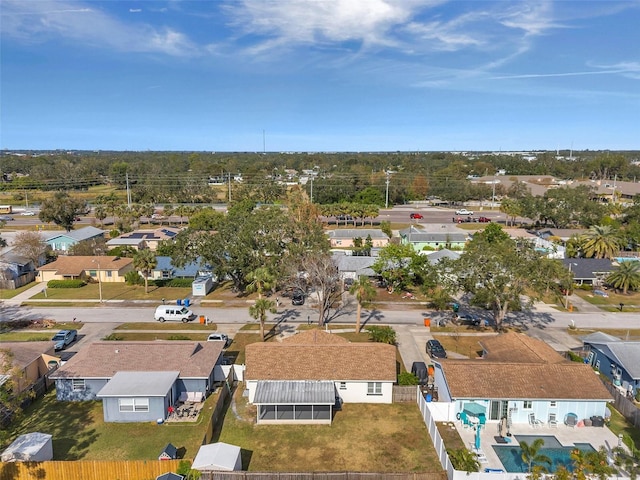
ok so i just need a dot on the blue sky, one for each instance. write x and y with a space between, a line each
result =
320 75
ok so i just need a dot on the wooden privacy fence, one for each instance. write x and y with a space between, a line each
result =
87 470
321 476
404 393
625 406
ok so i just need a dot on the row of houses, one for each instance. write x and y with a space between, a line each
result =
307 377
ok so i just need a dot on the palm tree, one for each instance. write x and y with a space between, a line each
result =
601 241
463 459
364 293
531 454
259 311
145 261
626 277
260 279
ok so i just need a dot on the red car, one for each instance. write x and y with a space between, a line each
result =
416 216
484 220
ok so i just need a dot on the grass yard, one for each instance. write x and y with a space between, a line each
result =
631 300
619 425
125 336
26 336
157 326
362 438
624 333
450 435
6 293
462 344
114 291
80 433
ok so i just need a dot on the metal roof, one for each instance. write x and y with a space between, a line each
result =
295 393
137 384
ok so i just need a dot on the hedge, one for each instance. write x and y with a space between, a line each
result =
65 283
176 283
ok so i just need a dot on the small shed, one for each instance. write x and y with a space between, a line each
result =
170 476
168 453
30 447
218 456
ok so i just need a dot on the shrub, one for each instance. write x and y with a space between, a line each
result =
65 283
407 378
113 337
382 334
179 337
574 357
180 282
133 278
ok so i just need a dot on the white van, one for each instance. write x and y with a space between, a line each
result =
174 312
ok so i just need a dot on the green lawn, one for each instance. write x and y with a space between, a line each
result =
26 336
619 425
6 294
362 438
212 327
613 300
632 334
80 433
114 291
151 336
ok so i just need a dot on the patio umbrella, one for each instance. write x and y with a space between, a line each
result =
478 428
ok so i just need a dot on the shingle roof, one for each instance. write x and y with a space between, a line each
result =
519 348
351 263
587 268
336 362
81 234
626 354
104 359
75 265
506 380
315 337
24 353
435 257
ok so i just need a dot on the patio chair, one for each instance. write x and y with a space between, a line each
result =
571 420
533 421
553 421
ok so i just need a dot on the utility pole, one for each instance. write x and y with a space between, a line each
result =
229 174
311 194
128 190
386 200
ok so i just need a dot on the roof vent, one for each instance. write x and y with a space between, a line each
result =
117 351
116 258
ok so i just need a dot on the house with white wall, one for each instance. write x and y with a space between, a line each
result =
519 376
304 378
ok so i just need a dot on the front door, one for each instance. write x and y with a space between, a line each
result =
498 409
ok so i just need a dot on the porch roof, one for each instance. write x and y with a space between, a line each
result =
137 384
295 393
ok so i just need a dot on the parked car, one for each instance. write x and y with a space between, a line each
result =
6 218
600 293
419 369
435 349
64 338
416 216
484 220
297 298
219 337
348 282
468 319
28 213
173 312
464 211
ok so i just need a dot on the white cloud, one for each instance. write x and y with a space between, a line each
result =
43 20
135 10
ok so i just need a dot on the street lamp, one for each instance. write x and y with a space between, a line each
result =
99 278
566 298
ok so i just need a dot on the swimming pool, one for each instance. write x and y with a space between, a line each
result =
511 455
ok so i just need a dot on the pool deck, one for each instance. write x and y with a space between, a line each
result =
567 436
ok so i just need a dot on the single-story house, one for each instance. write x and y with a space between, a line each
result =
139 381
344 237
435 257
590 271
422 239
350 266
303 378
147 238
519 377
34 360
616 359
218 456
102 268
62 241
166 270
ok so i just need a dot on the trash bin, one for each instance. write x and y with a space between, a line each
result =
428 398
427 322
455 307
203 319
186 302
179 301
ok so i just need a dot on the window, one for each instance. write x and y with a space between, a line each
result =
108 273
78 385
343 385
374 388
133 404
553 404
92 273
527 404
